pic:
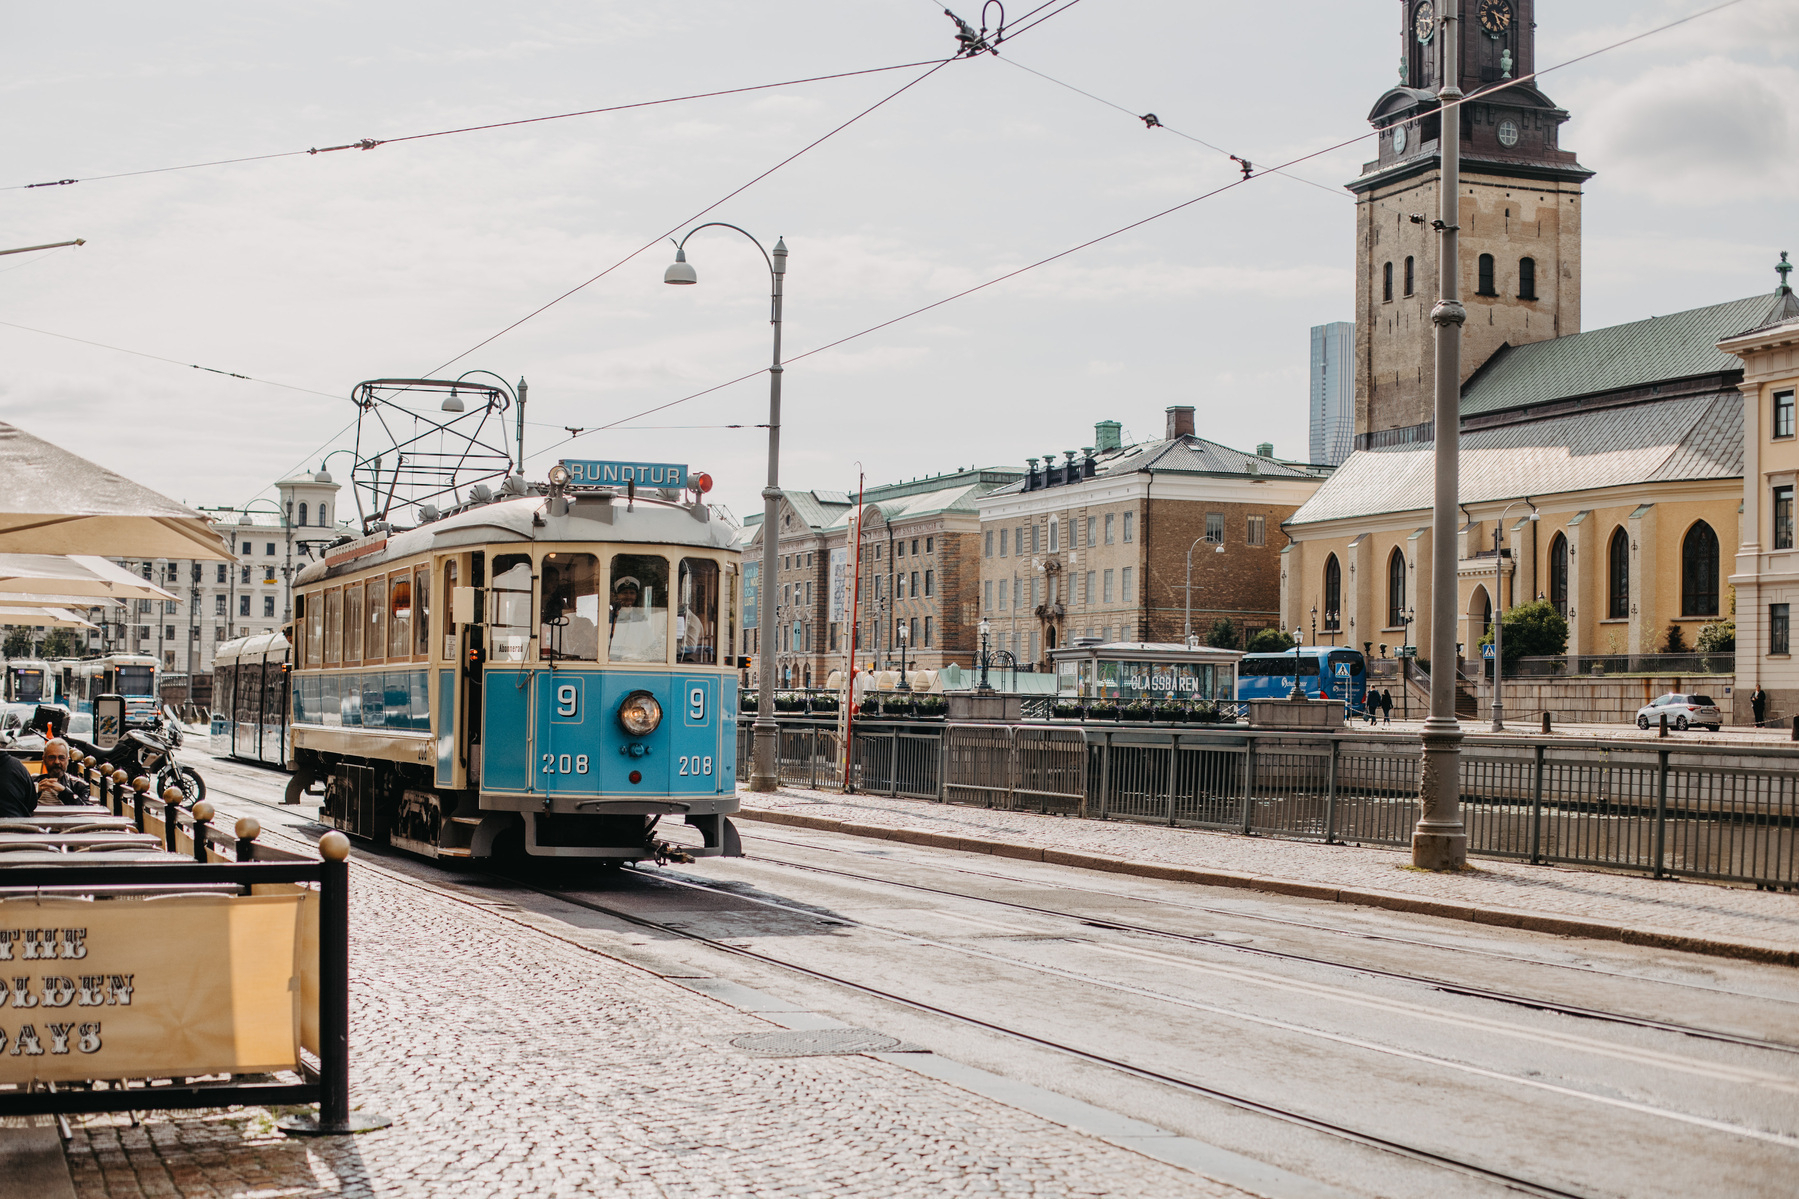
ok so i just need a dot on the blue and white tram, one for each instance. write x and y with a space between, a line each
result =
250 699
30 681
1322 672
133 676
546 674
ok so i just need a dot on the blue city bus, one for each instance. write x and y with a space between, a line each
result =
1324 672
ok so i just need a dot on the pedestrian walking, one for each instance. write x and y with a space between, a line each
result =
1386 705
1758 703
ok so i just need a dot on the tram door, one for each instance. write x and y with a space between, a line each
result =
458 719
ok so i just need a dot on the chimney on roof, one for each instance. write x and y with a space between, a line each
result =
1265 449
1106 436
1180 421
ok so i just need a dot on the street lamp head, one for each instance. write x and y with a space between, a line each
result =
453 403
986 628
1535 515
680 270
1219 548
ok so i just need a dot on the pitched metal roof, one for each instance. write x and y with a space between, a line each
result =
1187 455
1693 437
1678 346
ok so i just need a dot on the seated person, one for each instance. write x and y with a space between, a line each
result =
18 796
639 634
56 785
569 630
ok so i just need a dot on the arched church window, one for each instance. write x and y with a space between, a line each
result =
1485 287
1558 574
1699 572
302 513
1527 278
1387 281
1396 590
1333 595
1618 590
1408 274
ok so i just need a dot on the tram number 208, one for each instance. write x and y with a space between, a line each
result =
564 764
696 765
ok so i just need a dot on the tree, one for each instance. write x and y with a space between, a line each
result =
1677 641
1223 635
18 642
1269 641
1532 630
1719 637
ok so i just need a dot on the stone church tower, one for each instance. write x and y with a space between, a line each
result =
1519 214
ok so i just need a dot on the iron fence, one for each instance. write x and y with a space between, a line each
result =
1728 813
1565 665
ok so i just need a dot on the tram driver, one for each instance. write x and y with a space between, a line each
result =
639 629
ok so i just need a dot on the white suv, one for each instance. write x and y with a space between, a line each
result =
1681 711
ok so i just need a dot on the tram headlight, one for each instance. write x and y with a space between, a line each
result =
640 714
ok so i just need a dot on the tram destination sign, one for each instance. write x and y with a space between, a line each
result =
586 473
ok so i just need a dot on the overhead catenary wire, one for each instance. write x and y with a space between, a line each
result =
1482 95
211 370
370 143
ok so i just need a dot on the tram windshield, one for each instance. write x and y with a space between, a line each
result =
571 608
137 680
28 686
696 618
511 606
638 609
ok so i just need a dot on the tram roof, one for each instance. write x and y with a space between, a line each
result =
590 518
245 647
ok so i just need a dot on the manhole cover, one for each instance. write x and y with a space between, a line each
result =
819 1042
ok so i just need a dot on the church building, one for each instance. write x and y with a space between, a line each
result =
1626 443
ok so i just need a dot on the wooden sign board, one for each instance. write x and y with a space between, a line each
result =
156 988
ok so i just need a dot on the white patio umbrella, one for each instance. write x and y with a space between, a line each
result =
55 502
74 575
60 618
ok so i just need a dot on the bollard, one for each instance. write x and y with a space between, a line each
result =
1664 725
1546 728
335 1116
247 832
202 817
140 787
171 809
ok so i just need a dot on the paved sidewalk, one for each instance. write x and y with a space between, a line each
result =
516 1064
1686 914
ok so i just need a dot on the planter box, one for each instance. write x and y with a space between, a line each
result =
1296 714
1005 709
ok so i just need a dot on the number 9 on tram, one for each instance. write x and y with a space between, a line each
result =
545 674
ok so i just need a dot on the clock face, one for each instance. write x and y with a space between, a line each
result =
1508 133
1399 139
1495 16
1425 23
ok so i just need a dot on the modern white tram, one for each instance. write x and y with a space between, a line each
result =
250 699
133 676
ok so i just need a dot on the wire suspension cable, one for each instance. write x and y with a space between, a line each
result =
370 143
211 370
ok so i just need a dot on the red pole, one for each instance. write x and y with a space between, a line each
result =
849 727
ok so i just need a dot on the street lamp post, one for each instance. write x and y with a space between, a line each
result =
1299 637
903 639
763 776
986 628
1439 840
1187 627
1499 612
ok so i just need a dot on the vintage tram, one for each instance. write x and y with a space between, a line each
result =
543 672
250 679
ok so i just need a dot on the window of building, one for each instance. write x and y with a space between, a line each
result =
247 550
1106 580
1215 528
222 569
268 574
1783 414
1017 593
1002 595
243 605
914 585
930 583
809 556
1034 647
1485 286
244 576
927 631
987 595
1109 518
914 552
1034 597
1018 541
1087 589
1558 574
1002 541
1036 539
1054 538
323 521
1258 531
1527 278
1128 518
899 585
1778 615
930 545
1125 592
1090 523
1408 274
168 632
1699 572
218 605
302 513
1386 286
268 605
1783 518
987 544
1396 590
1618 559
1333 595
269 550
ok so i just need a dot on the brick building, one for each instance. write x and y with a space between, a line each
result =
1096 545
919 565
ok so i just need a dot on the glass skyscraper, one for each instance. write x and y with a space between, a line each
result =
1331 402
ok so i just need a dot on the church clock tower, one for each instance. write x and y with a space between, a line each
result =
1519 213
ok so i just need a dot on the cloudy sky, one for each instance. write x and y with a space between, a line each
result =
317 271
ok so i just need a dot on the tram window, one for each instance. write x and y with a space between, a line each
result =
399 616
571 608
730 613
315 627
355 612
334 626
375 639
696 616
421 611
511 606
637 614
449 618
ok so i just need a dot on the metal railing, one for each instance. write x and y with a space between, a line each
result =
1568 665
1715 812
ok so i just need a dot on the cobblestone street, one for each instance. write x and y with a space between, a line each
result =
515 1063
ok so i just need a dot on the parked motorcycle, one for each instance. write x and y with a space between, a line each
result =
149 750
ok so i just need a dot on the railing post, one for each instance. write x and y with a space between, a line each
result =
139 786
1249 775
248 829
893 763
1174 758
812 759
943 765
1105 776
171 808
1330 797
202 817
1536 809
1661 808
